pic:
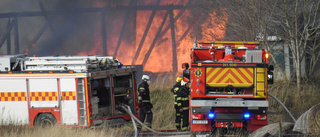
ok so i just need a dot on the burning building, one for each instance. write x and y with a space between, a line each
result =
155 33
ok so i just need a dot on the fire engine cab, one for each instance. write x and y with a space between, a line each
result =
75 91
228 85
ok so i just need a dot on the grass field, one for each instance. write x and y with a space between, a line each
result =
296 102
164 115
59 132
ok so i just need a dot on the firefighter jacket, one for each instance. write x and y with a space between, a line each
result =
183 98
144 95
174 90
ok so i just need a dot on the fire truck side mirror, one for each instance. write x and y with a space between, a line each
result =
185 66
186 73
270 77
270 74
270 68
186 70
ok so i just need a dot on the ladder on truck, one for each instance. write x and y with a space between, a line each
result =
68 63
82 103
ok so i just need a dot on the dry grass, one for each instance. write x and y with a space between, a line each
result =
163 102
297 102
162 82
59 132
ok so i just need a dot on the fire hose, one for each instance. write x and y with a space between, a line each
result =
179 133
150 129
285 108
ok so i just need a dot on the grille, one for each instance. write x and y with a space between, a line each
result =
254 56
228 117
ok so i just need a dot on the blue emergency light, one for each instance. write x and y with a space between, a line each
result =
246 115
211 115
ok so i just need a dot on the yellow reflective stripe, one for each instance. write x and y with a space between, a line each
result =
175 102
120 95
185 108
184 128
142 88
185 98
179 104
148 124
176 89
178 114
178 98
177 124
140 98
145 100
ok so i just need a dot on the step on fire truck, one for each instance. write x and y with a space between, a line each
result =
228 86
74 91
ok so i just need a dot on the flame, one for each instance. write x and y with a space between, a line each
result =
27 49
99 4
160 59
97 48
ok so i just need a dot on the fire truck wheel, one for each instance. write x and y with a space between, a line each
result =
45 120
198 133
193 134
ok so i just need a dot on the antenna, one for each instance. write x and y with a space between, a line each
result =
195 43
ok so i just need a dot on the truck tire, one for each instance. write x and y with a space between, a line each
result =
193 134
45 120
196 133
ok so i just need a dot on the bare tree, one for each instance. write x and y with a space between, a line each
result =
295 22
299 21
247 20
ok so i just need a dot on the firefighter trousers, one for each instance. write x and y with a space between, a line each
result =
178 120
185 120
145 113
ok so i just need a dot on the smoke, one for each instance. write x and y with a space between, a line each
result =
70 33
80 33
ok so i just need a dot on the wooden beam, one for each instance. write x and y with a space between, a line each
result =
8 39
174 48
165 31
37 36
49 19
16 36
122 31
86 10
104 33
144 35
155 40
9 28
134 27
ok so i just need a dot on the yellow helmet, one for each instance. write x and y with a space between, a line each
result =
179 79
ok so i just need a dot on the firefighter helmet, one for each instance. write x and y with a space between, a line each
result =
179 79
145 77
184 81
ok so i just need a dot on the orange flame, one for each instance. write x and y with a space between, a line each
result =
27 49
160 59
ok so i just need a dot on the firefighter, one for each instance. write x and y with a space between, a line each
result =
183 103
144 102
174 90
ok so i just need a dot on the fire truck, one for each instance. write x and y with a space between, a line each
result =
228 86
72 91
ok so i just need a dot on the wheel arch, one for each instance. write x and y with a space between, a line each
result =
40 118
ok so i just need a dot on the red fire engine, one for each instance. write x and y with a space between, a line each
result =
74 91
228 85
